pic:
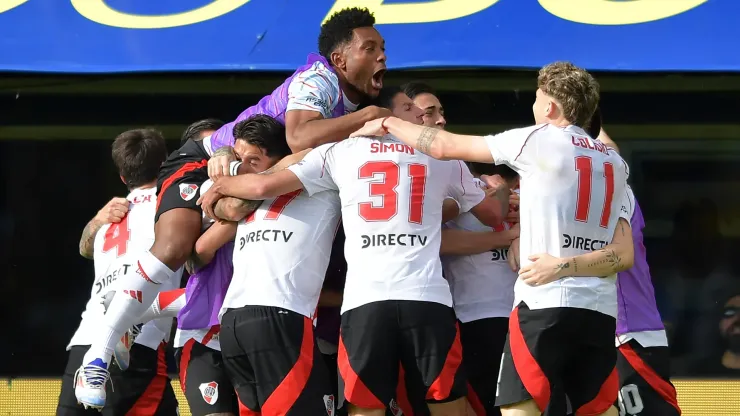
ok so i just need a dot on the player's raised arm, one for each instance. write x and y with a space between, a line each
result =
436 143
307 129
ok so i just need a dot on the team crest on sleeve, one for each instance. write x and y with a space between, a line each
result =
209 392
329 403
188 191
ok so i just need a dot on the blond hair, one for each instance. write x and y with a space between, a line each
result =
574 88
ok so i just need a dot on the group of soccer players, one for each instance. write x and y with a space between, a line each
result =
540 221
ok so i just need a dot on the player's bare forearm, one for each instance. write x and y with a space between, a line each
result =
214 238
440 144
615 257
450 210
87 239
465 243
306 129
254 186
235 209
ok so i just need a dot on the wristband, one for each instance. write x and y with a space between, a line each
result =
382 125
234 167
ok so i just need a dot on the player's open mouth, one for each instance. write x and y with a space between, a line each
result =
378 78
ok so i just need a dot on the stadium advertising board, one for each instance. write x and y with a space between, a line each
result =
39 397
101 36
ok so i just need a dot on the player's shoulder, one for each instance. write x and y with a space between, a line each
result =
318 76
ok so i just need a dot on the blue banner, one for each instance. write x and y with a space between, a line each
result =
103 36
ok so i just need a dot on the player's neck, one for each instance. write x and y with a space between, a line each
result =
559 122
348 89
149 185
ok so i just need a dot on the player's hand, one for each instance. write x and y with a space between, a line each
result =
543 269
494 181
207 201
514 255
372 128
376 112
218 164
113 211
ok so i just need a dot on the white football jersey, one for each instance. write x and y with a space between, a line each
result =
572 191
482 284
392 213
117 247
282 251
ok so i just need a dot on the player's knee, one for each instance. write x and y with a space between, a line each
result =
526 408
612 411
457 407
359 411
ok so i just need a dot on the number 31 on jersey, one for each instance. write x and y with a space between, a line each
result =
386 190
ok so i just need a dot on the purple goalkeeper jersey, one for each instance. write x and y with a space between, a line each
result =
205 291
273 105
638 311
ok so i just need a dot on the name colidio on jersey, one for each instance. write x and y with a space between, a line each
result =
106 280
280 236
384 240
582 243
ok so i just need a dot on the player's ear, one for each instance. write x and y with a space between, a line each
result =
122 180
338 59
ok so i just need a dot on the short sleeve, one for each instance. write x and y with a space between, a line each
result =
628 204
314 171
462 187
511 147
316 89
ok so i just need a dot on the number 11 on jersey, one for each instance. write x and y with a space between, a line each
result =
584 167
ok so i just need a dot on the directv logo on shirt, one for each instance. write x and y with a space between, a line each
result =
383 240
265 235
582 243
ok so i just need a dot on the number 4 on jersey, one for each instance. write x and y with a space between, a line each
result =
584 166
117 237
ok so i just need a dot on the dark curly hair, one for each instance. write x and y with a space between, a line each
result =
338 30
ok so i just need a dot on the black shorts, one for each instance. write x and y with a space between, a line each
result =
483 343
204 381
568 347
181 177
271 357
144 389
644 379
422 337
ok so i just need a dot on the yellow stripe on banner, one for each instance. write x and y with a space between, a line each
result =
38 397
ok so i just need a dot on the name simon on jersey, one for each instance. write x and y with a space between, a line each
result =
378 147
586 143
582 243
384 240
105 281
279 236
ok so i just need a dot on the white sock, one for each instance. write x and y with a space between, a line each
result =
136 292
167 305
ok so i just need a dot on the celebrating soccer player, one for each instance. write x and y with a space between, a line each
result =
561 330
